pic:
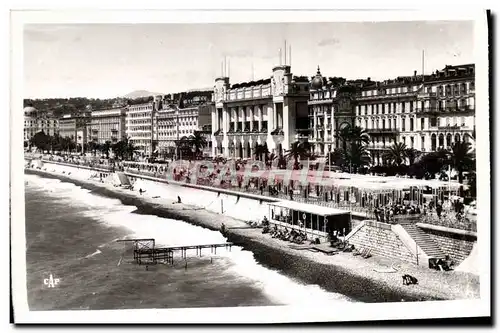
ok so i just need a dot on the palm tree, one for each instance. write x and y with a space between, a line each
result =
344 135
298 150
461 158
129 148
198 141
355 134
412 154
105 148
336 157
397 154
359 135
260 150
357 156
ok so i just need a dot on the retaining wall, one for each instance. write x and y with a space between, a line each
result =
456 243
381 239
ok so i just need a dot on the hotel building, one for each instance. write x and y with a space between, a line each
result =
35 122
108 125
140 124
181 117
423 112
75 127
265 112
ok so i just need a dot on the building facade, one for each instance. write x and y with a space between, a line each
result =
264 112
35 122
180 117
425 113
140 124
108 125
75 127
331 108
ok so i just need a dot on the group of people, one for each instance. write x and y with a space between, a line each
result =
387 213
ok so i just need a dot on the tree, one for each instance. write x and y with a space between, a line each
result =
105 148
336 157
461 158
412 154
357 156
41 141
198 141
120 149
299 150
94 147
130 148
355 134
397 154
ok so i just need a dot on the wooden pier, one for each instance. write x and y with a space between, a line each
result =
145 251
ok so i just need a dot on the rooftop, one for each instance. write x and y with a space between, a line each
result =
308 208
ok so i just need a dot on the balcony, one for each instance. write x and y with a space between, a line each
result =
451 127
278 131
427 95
430 111
381 131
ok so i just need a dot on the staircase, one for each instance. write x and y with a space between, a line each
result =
423 240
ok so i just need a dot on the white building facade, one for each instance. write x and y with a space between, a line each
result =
140 123
108 125
257 113
35 122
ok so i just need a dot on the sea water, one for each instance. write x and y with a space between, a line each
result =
72 233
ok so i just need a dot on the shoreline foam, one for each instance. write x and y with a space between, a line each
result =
341 273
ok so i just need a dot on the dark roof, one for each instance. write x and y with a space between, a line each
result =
250 83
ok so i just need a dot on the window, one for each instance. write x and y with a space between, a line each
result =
411 106
403 127
403 107
411 124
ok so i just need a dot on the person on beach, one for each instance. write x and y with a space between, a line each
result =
179 199
141 191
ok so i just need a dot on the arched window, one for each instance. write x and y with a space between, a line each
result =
441 140
448 140
457 138
433 142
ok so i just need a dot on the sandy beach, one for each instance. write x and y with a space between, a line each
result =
343 273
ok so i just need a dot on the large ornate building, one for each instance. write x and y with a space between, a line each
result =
35 122
265 112
423 112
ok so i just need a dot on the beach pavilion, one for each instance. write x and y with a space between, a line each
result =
315 221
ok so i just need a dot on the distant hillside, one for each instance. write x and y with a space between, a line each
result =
141 93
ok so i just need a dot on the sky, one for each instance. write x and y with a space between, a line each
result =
110 60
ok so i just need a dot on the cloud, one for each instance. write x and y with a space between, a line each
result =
328 41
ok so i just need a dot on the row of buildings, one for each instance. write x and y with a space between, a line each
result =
425 112
153 126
